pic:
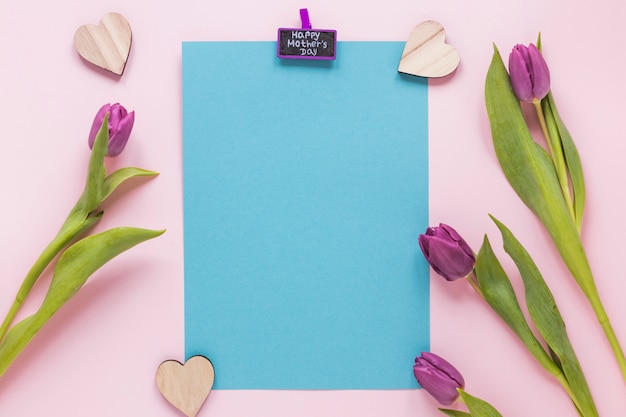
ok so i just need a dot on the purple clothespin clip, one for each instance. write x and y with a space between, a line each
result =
305 42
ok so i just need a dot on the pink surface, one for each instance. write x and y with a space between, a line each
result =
99 355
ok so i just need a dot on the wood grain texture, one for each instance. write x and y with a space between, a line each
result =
426 53
106 45
186 386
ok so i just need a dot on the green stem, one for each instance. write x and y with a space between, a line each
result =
581 272
473 280
556 152
603 318
561 378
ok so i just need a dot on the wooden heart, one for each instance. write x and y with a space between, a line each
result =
106 45
426 53
186 386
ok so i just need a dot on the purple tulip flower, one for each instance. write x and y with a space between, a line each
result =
446 252
120 125
530 76
438 377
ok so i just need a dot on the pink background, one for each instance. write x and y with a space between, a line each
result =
99 355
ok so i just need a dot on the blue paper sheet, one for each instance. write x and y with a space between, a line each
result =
305 188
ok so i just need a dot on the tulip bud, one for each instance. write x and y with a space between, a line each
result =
438 377
120 125
446 252
530 76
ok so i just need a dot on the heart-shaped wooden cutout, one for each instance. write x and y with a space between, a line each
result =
186 386
426 53
106 45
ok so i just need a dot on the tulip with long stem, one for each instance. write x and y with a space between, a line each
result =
79 256
118 124
532 174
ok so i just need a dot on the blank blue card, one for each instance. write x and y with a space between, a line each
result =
305 188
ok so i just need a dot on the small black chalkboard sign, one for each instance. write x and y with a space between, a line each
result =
307 43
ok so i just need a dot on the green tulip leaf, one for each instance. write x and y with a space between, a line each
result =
91 197
454 413
17 338
74 267
92 194
478 407
86 256
572 158
530 171
547 318
114 180
499 294
60 242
